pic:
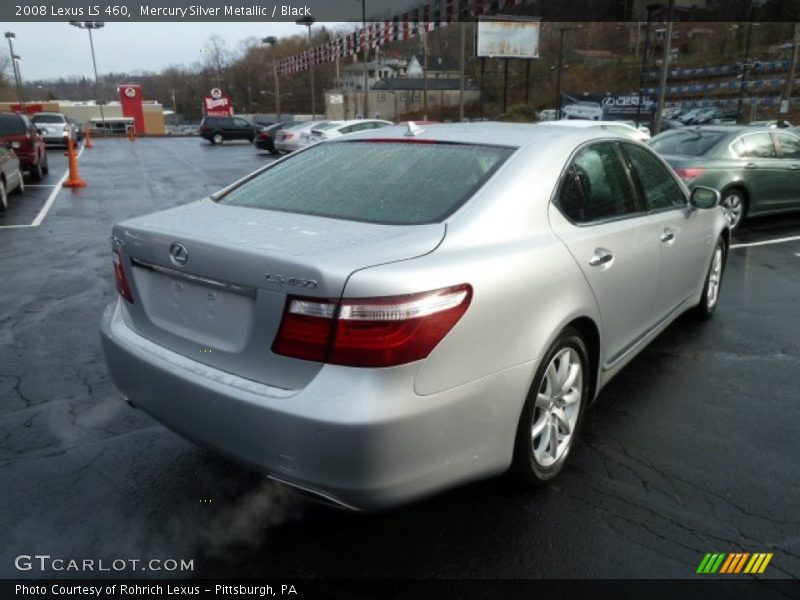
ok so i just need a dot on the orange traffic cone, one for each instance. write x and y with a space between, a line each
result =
88 136
74 180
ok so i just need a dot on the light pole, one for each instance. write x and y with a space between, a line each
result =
559 67
650 9
746 64
308 21
366 56
272 40
89 25
10 35
662 87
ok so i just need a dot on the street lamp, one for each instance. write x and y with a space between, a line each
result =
272 40
308 21
89 25
10 35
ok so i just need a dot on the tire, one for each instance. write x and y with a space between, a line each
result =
273 151
37 171
217 138
713 284
734 204
3 197
45 164
536 460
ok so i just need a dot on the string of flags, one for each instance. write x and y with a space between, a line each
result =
732 86
435 15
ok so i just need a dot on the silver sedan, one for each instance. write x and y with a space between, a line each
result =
379 317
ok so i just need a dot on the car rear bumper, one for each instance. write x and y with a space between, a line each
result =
358 437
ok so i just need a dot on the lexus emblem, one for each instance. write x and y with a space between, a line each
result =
178 254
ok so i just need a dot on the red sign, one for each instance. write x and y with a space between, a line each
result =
29 108
131 98
218 104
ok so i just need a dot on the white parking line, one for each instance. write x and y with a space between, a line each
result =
27 185
48 203
794 238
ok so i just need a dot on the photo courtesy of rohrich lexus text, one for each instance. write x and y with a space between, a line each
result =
400 299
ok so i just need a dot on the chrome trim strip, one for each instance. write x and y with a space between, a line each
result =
610 364
231 287
320 495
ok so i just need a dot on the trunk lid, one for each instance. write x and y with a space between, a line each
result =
219 297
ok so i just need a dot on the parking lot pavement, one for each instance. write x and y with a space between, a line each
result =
23 209
692 449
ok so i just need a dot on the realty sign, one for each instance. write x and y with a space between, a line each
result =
218 104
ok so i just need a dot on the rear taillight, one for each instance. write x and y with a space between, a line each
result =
122 281
370 332
689 173
288 136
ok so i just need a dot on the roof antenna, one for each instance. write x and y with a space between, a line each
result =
413 129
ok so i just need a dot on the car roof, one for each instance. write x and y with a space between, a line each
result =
490 133
45 113
587 123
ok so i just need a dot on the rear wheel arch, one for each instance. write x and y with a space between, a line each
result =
591 337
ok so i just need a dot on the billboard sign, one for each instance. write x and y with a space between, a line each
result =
131 99
608 107
218 104
507 37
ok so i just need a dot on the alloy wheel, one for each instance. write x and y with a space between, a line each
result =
714 278
733 207
557 407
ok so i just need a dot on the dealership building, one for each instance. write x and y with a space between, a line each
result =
147 116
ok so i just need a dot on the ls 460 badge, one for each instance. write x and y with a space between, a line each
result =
295 281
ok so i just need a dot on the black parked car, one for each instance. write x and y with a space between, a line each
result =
265 140
219 129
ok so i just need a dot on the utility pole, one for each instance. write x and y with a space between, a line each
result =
366 57
308 21
650 9
662 92
787 93
462 59
424 35
560 67
746 64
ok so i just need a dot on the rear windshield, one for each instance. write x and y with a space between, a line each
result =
686 143
392 183
48 119
11 125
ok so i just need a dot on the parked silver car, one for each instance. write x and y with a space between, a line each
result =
391 313
297 136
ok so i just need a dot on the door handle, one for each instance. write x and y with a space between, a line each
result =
601 257
667 236
751 166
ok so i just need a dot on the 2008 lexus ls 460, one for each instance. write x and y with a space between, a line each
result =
397 311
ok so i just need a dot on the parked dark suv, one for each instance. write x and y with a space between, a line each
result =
219 129
19 133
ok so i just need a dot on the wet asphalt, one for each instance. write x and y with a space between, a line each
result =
692 449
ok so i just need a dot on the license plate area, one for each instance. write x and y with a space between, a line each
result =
212 314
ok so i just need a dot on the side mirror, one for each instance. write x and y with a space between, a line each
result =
704 197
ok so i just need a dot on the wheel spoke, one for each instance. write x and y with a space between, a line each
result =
572 376
545 439
572 397
539 426
553 440
566 428
542 401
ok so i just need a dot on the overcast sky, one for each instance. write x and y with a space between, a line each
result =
57 49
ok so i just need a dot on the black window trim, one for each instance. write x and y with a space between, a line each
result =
640 187
556 199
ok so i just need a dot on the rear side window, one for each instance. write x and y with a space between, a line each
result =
790 145
604 182
12 125
393 183
755 145
659 187
686 143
